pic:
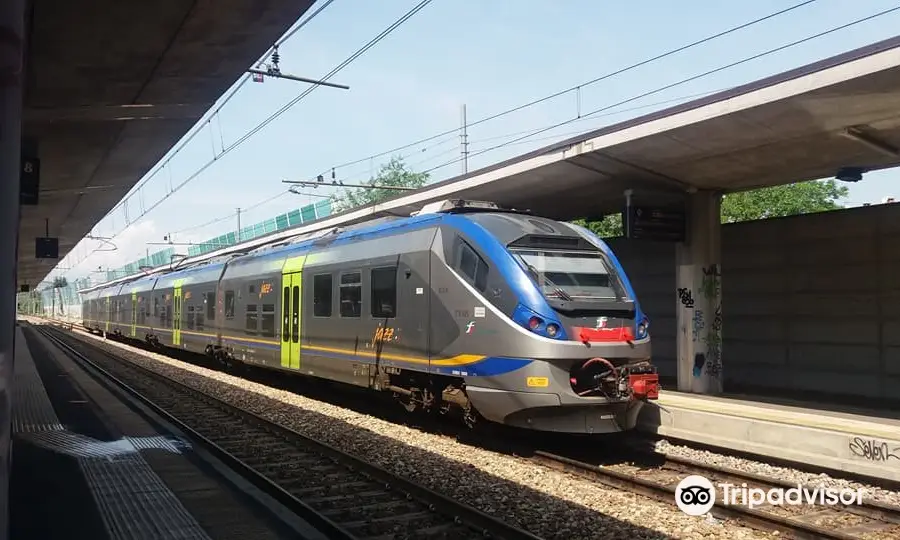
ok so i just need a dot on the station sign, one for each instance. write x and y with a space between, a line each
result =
665 224
46 248
29 180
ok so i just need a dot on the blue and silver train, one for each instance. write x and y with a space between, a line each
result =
465 306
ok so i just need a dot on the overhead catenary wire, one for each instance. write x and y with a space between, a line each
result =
413 11
678 83
603 77
206 119
657 90
259 127
531 133
448 151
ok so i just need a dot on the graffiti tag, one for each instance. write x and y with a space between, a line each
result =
698 324
872 449
687 299
699 360
711 283
714 345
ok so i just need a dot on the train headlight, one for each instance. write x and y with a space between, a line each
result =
552 330
643 329
534 323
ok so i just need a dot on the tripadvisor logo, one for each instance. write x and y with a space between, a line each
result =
696 495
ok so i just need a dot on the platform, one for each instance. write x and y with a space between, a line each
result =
850 442
87 464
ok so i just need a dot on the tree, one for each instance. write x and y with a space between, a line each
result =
764 203
608 227
780 201
394 173
59 283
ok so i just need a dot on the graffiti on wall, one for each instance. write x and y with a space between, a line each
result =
714 345
711 285
699 361
711 288
872 450
698 324
687 299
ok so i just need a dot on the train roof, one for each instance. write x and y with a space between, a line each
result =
280 245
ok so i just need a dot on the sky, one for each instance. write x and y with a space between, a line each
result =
490 56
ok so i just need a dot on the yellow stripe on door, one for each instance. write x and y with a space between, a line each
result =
176 320
291 311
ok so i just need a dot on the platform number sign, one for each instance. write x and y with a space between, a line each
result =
29 181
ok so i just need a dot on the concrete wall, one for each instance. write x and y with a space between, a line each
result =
809 302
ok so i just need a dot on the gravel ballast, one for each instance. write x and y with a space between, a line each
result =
548 503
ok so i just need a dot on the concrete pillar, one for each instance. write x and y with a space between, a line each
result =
12 74
699 297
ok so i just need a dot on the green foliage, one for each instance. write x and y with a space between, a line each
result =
780 201
608 227
764 203
394 173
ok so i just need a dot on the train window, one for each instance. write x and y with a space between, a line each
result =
286 315
481 273
251 289
199 315
252 323
351 294
384 292
156 306
229 304
322 295
191 318
468 261
210 306
473 266
267 320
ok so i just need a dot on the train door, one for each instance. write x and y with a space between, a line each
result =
134 303
108 314
176 321
412 309
291 303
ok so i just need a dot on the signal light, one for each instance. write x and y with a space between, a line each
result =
534 323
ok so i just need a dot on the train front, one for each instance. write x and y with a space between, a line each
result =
577 329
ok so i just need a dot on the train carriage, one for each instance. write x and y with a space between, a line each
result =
90 310
513 318
140 295
248 292
181 302
109 308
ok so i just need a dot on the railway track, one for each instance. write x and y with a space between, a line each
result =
870 520
338 493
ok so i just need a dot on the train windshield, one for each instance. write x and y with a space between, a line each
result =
572 275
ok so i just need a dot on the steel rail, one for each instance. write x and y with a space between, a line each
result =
791 527
459 512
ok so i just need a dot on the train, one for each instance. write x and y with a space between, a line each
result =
497 314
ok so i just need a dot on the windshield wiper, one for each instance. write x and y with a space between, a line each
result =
562 294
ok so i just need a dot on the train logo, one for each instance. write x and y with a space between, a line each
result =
470 327
601 322
695 495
